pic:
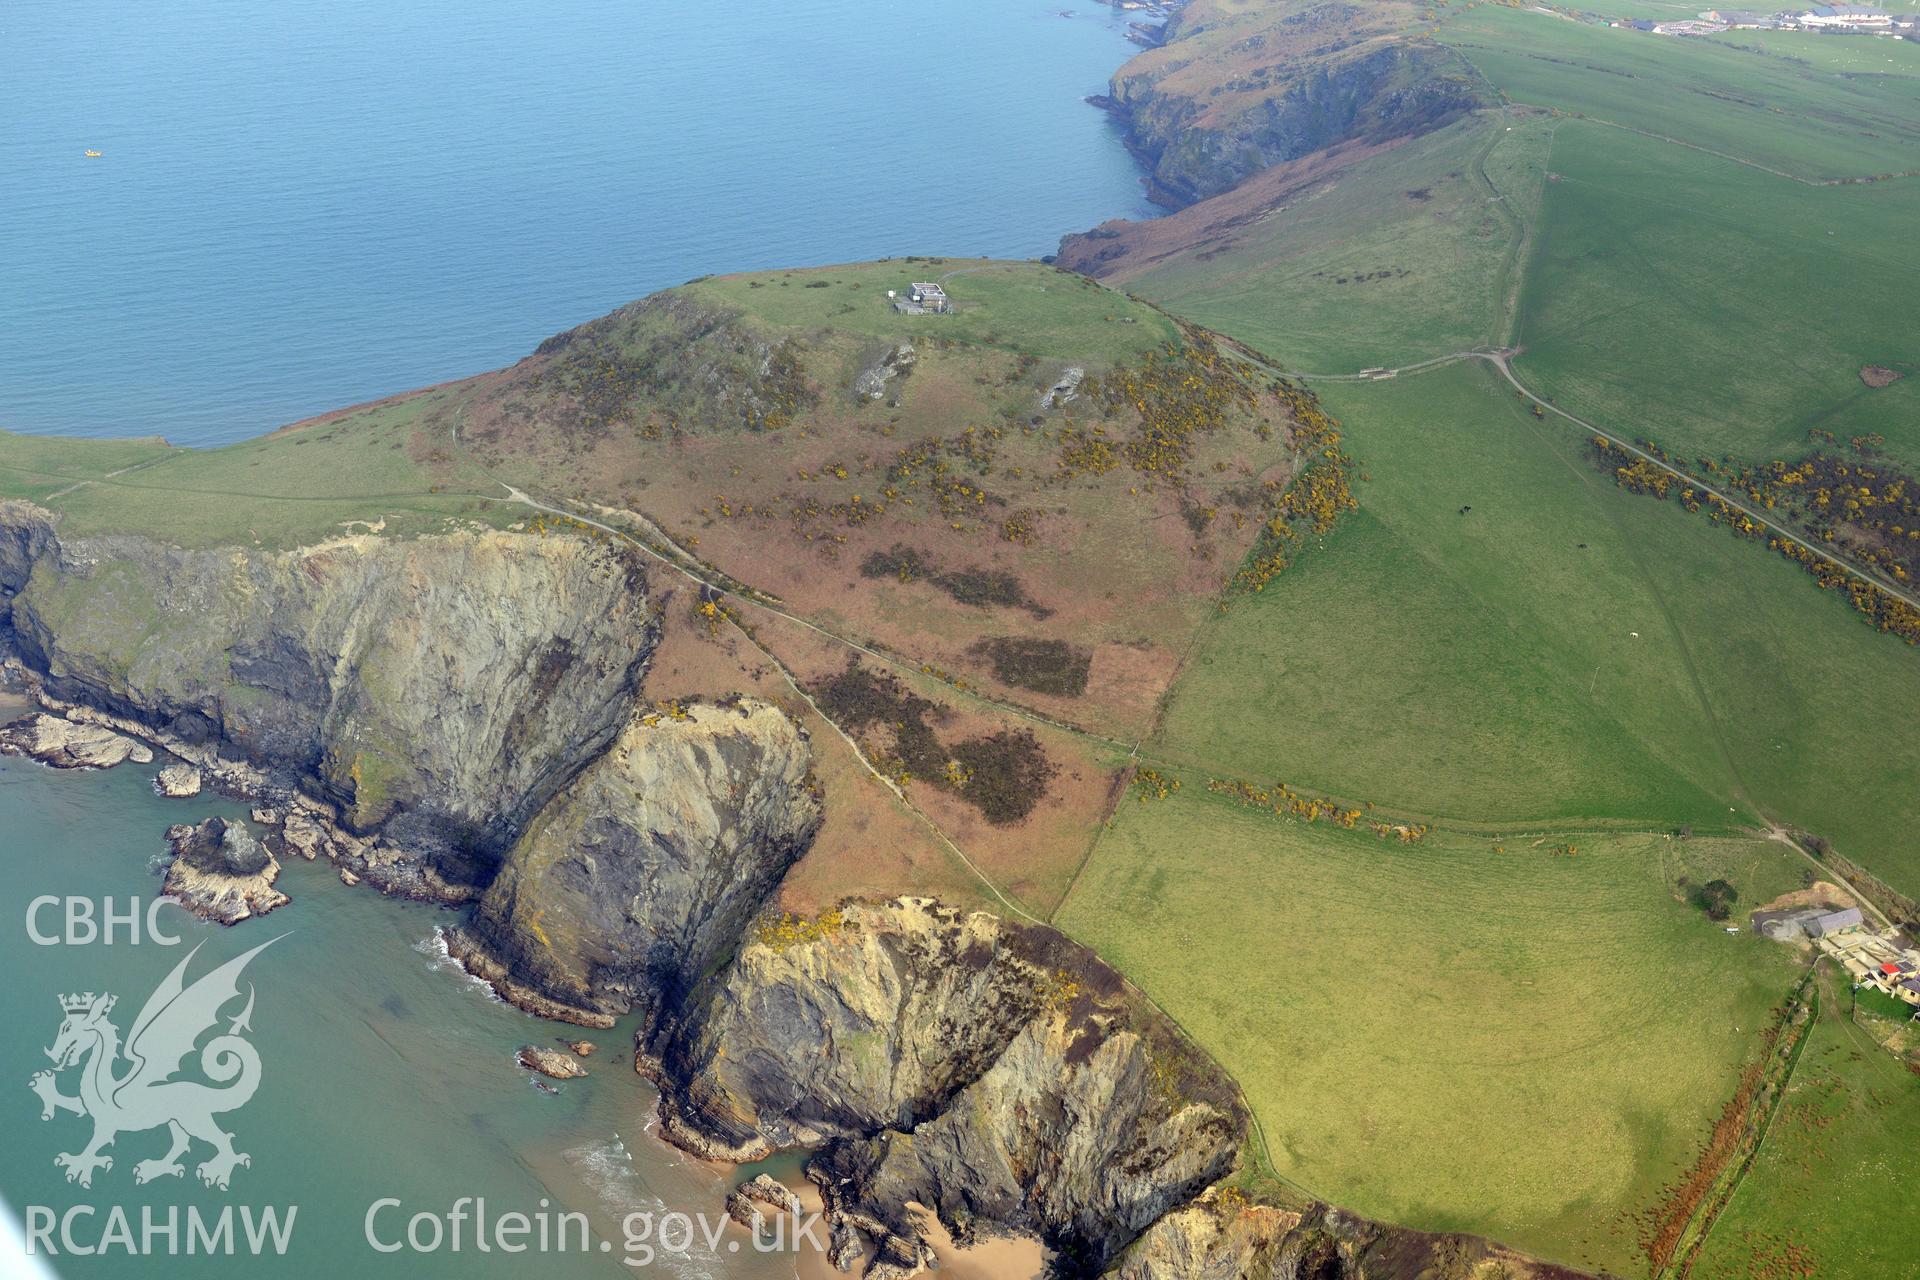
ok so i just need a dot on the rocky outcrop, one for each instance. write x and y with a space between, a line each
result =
997 1074
674 360
178 782
431 693
550 1062
872 381
219 847
221 873
645 871
1065 389
1223 1237
68 744
747 1203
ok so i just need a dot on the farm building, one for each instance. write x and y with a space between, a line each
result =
924 299
1873 960
1832 922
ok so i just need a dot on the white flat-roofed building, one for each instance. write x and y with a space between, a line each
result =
1854 17
923 298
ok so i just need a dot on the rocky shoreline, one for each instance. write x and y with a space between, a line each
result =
1014 1085
65 743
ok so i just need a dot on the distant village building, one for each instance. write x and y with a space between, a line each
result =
923 299
1845 17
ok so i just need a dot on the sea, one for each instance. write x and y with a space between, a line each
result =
387 1074
305 204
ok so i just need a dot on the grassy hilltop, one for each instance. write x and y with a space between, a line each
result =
970 549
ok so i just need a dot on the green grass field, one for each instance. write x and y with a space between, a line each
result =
1399 258
1892 58
1831 1192
1512 1043
1718 309
1501 637
37 467
1477 667
389 462
1766 110
1562 651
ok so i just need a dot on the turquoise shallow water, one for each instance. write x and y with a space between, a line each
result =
303 205
385 1071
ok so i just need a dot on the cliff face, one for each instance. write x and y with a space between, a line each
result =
437 691
1223 1237
1234 92
995 1073
643 873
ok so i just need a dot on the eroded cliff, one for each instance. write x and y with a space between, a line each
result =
459 713
996 1073
436 692
1223 1236
1235 89
645 871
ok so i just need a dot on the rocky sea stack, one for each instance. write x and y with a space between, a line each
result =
220 872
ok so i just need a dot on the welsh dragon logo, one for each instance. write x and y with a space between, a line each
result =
131 1087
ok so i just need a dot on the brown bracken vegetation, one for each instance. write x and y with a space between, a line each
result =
1664 1230
1004 775
1044 666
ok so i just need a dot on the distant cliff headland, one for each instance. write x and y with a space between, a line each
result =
1229 91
